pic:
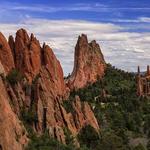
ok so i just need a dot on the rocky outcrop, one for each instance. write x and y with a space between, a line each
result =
11 43
12 132
50 94
49 91
43 90
6 56
2 70
143 88
80 116
89 63
54 71
27 54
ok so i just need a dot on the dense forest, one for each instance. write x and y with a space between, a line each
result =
124 118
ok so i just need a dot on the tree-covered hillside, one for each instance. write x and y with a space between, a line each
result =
124 118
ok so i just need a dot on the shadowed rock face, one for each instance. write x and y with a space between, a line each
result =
11 43
82 116
89 63
44 88
12 132
6 56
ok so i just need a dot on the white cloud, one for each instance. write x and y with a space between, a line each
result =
144 19
93 7
138 20
123 49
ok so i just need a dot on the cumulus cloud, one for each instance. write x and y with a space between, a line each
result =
123 49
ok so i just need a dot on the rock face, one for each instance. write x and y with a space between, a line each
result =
89 63
49 92
12 133
82 115
2 70
6 56
143 88
11 43
54 69
27 54
43 90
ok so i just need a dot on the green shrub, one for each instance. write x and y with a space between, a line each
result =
139 147
14 77
36 79
110 141
69 137
67 104
88 136
29 117
45 142
148 145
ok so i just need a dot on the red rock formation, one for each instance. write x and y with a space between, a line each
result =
27 54
82 115
6 56
12 132
143 85
45 89
50 90
11 43
52 65
2 70
89 63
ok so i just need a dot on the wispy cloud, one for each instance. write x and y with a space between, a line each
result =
50 9
90 7
138 20
121 48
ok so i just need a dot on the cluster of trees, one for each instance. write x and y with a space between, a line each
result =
123 117
44 142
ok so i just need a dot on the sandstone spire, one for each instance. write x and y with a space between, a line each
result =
143 85
148 70
139 82
27 54
89 63
138 70
11 43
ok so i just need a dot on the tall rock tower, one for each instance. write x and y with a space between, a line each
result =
89 63
139 83
143 83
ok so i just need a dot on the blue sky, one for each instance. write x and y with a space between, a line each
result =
121 27
92 10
